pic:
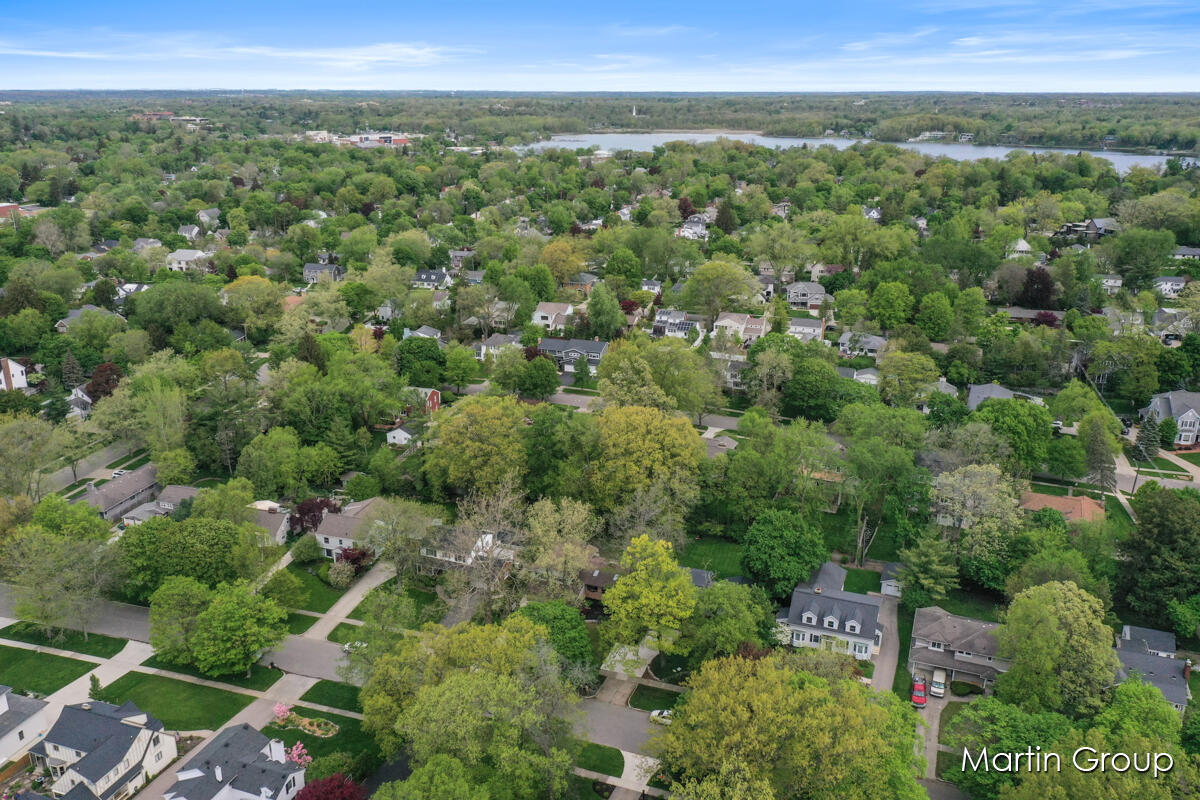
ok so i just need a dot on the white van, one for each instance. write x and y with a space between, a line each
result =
937 687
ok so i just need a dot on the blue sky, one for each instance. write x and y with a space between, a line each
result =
976 45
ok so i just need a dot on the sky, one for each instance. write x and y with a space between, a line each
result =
731 46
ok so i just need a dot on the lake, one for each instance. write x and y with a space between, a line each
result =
955 150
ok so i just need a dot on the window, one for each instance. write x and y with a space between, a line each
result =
20 736
965 654
830 622
326 540
852 627
157 757
797 637
809 619
860 649
936 645
815 638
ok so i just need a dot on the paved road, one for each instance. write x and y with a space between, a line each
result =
64 477
616 726
113 619
311 657
940 790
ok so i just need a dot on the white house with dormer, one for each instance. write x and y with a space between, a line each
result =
824 615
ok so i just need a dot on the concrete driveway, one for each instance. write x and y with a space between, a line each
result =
889 648
621 727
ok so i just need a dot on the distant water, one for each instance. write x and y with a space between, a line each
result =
955 150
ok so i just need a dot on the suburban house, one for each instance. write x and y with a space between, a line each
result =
22 720
889 579
649 285
337 531
424 332
432 279
167 501
1111 283
472 277
1147 640
12 375
189 232
238 764
440 300
966 648
1092 229
565 352
431 399
977 393
401 435
731 368
582 282
79 404
1030 316
672 322
444 549
855 343
387 310
459 257
806 330
743 327
315 272
271 517
1019 248
122 494
1170 285
98 751
1181 406
1077 508
64 324
553 316
825 616
805 294
1186 252
694 227
869 376
183 260
141 244
495 343
209 217
596 581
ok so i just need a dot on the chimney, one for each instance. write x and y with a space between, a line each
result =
1187 670
217 773
275 751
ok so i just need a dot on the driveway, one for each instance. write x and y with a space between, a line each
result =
304 656
621 727
889 648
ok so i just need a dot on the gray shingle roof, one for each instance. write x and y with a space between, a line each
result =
238 753
560 346
1165 673
20 708
957 633
824 597
1135 637
96 729
1174 404
977 393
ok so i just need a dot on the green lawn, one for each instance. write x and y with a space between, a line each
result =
722 556
94 645
332 693
946 762
138 462
1157 463
180 705
1191 458
949 712
123 459
1118 515
345 632
976 605
651 698
299 623
261 678
902 681
430 607
601 758
581 788
598 654
862 580
350 737
321 596
43 673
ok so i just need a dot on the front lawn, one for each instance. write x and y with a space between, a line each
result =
902 681
94 645
722 556
1191 458
180 705
429 606
582 788
299 623
862 580
1117 514
261 678
949 712
601 758
28 671
651 698
350 737
321 596
345 632
977 605
334 694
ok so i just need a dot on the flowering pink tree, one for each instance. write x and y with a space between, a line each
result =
282 712
298 755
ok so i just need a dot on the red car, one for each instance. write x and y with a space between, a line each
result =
918 693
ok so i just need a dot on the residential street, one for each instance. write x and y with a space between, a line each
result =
93 463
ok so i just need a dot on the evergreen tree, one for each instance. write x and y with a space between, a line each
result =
72 373
1102 466
342 440
781 317
727 219
929 572
1149 439
309 349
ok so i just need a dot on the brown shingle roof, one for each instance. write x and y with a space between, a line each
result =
1075 509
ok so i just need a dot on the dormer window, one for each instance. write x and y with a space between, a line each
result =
936 646
831 622
809 619
851 627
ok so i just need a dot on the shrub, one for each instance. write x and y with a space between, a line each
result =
962 688
335 787
339 763
341 575
306 550
357 557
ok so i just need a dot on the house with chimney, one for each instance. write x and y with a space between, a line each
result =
805 294
238 764
22 720
122 494
966 648
565 353
553 316
346 529
746 328
168 500
1149 654
823 615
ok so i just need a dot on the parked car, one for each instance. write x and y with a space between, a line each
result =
918 693
662 716
119 472
937 686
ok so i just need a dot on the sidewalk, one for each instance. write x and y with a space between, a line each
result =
377 576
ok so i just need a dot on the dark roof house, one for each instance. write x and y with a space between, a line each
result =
238 764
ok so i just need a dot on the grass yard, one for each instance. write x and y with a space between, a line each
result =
949 712
722 556
598 653
94 645
1118 515
43 673
581 788
344 632
261 678
651 698
321 596
350 737
902 681
862 580
669 668
1191 458
429 605
977 605
180 705
299 623
138 462
601 758
123 459
332 693
1157 463
946 762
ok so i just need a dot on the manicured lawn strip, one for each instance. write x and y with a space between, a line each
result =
862 580
44 673
598 652
1158 463
299 623
601 758
123 459
946 762
976 605
332 693
321 596
576 390
1118 515
180 705
651 698
428 604
902 681
722 556
949 712
344 632
138 462
261 678
94 645
1191 458
350 737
